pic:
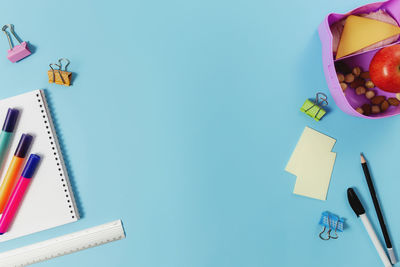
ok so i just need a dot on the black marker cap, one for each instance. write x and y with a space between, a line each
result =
11 120
23 145
355 203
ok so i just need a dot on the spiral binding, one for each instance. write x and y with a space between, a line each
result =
57 156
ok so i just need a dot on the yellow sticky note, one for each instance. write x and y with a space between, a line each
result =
312 162
360 32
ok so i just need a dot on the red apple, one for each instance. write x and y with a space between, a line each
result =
384 69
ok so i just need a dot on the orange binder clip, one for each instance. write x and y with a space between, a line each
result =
62 77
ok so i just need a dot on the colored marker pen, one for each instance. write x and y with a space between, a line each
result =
18 193
7 132
11 176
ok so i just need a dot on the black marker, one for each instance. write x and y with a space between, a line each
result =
359 210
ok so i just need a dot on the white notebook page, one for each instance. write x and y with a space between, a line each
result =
49 201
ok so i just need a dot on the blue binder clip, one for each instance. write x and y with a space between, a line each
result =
331 222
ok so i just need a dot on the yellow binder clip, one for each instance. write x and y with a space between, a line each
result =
60 76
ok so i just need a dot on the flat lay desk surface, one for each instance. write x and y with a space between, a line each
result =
180 121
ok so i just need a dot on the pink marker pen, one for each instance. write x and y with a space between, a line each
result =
18 193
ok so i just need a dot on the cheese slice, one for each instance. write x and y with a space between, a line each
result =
360 32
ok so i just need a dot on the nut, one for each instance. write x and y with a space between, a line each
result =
360 90
393 101
357 82
360 110
384 105
340 77
365 75
344 86
367 109
349 78
375 109
341 67
370 94
377 100
357 71
369 84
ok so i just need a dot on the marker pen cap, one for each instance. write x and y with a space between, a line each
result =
355 202
23 145
30 166
11 120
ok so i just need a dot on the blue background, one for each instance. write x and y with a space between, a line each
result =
180 121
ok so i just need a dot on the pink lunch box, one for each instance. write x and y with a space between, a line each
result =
348 101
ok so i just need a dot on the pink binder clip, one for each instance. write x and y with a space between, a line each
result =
18 52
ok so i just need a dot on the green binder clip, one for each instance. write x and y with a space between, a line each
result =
315 109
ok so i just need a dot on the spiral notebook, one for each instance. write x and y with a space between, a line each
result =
49 201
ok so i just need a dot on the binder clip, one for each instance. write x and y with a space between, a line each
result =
315 109
330 222
17 52
60 76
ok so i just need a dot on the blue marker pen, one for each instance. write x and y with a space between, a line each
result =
7 132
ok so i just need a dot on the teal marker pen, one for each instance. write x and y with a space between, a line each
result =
7 132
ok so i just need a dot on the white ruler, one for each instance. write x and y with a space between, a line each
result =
63 245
